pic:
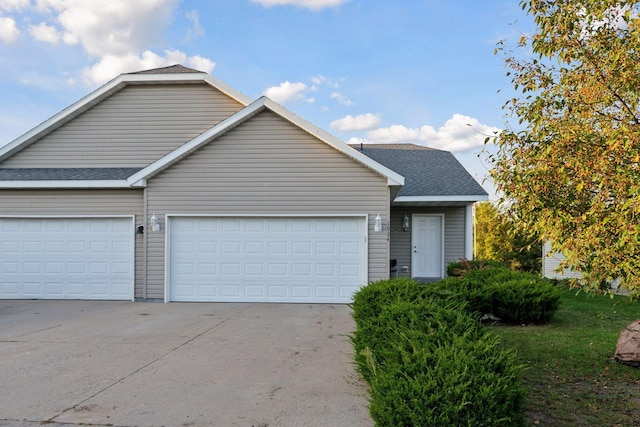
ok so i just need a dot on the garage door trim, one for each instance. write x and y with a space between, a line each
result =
169 216
132 240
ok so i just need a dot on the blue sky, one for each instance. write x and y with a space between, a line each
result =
365 70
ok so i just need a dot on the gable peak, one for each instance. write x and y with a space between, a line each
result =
171 69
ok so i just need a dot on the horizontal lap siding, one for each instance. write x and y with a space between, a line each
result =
267 166
551 262
454 234
132 128
78 203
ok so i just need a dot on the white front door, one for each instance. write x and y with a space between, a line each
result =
427 246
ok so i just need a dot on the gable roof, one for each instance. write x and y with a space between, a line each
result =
176 74
136 177
263 103
430 174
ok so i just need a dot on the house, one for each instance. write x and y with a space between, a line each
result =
169 185
551 265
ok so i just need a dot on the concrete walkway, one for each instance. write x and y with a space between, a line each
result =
189 364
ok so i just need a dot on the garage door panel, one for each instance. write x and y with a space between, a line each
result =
66 258
266 259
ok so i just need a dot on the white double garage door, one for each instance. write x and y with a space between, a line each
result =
67 258
218 259
274 259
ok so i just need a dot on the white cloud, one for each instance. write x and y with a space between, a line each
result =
320 80
200 63
45 33
13 4
196 29
342 99
357 123
117 33
356 140
286 91
309 4
459 133
112 65
114 27
8 30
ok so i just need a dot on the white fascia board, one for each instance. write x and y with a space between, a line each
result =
393 178
467 198
228 90
70 184
195 143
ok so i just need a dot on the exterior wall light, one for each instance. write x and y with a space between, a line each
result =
153 222
378 226
405 223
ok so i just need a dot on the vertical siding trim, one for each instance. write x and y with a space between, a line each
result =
468 231
145 229
366 249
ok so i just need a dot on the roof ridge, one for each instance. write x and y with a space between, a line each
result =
171 69
396 146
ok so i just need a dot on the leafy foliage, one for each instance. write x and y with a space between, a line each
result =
570 169
429 363
462 267
499 239
514 297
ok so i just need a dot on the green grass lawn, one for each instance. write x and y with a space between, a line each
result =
571 378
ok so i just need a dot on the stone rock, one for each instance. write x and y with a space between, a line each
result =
628 347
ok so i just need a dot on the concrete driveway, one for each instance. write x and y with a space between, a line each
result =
179 364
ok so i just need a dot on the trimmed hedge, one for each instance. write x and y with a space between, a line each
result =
465 382
514 297
462 267
429 363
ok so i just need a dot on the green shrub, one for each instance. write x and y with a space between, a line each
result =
369 301
463 266
467 382
514 297
431 319
524 300
429 363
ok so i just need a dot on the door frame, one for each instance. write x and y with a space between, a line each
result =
413 230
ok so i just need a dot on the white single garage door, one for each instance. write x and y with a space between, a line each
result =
292 259
67 258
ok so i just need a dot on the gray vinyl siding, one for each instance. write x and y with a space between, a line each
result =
132 128
79 203
454 235
266 166
551 262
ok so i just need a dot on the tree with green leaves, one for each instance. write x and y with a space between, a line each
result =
569 168
498 239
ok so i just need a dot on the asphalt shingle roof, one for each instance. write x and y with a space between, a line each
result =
64 174
172 69
427 171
